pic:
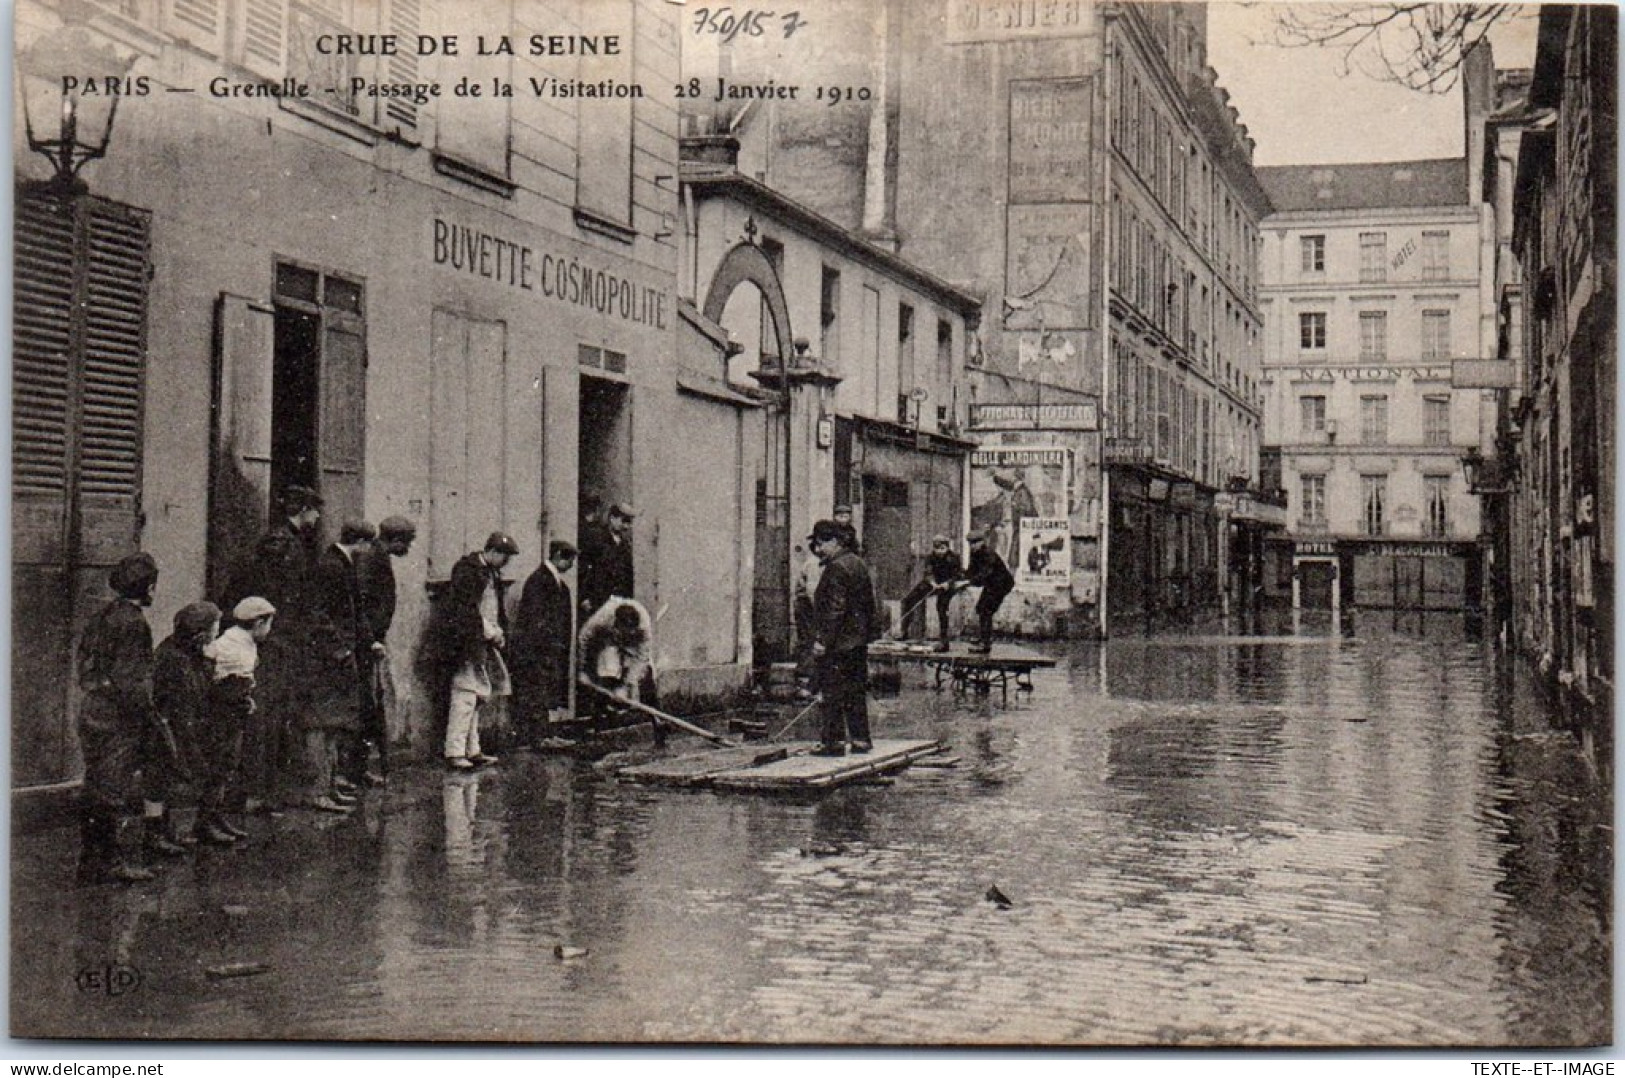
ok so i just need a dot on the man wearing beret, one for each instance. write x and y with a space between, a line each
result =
845 625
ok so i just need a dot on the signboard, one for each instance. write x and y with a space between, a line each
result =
1010 484
1049 140
1077 415
976 21
1047 267
1044 552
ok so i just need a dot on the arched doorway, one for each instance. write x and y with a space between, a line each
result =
758 266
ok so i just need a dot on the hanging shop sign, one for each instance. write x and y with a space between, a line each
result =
1078 415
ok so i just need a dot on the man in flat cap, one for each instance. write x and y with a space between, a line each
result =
180 703
234 658
375 573
279 570
988 572
846 624
115 716
543 630
469 641
341 670
606 561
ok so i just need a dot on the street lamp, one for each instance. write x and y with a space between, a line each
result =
55 94
1484 476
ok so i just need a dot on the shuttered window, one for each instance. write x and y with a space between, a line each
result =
78 365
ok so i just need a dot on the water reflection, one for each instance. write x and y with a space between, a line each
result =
1366 839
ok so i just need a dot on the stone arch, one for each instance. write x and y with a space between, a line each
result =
746 262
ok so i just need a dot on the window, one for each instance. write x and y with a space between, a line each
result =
1312 499
1312 414
1373 501
1435 334
1436 420
1373 256
905 362
329 74
604 152
1312 331
1373 335
1435 256
829 316
1374 420
1437 497
1312 253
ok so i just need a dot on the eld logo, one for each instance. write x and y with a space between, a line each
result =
112 980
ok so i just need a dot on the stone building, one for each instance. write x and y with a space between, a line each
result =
1374 289
461 309
1075 167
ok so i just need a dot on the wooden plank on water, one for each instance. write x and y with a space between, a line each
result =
803 771
697 767
1006 656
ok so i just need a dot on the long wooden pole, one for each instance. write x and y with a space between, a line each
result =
658 715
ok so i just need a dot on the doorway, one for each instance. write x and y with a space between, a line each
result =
604 447
1317 584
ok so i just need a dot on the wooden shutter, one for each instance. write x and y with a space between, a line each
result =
198 22
261 35
240 471
342 423
42 344
114 373
448 441
398 115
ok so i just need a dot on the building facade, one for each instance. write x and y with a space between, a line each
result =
1374 288
1075 167
1556 465
463 310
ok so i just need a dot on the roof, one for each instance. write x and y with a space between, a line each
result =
1381 185
725 181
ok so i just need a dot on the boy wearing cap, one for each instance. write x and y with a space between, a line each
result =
844 608
606 562
469 644
180 699
988 572
942 572
235 656
115 717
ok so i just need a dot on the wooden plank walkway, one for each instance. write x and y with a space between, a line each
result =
764 766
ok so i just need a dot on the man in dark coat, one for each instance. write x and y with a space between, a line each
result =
942 572
339 638
846 624
375 574
606 561
541 649
180 703
279 571
115 717
988 572
466 646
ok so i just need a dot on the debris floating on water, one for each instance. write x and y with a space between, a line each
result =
234 911
998 897
236 969
564 952
822 849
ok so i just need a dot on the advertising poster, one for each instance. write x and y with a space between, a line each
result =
1044 554
1011 484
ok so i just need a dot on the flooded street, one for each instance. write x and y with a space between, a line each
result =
1366 840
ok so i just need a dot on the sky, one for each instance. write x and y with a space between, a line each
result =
1300 110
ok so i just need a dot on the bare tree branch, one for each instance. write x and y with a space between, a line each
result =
1417 45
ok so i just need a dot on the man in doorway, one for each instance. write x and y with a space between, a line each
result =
541 650
375 574
606 567
279 571
472 636
988 572
844 610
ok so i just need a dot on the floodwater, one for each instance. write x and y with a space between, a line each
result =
1204 840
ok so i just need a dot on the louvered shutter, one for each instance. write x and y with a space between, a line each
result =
114 373
42 333
240 472
397 114
197 22
342 429
261 33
